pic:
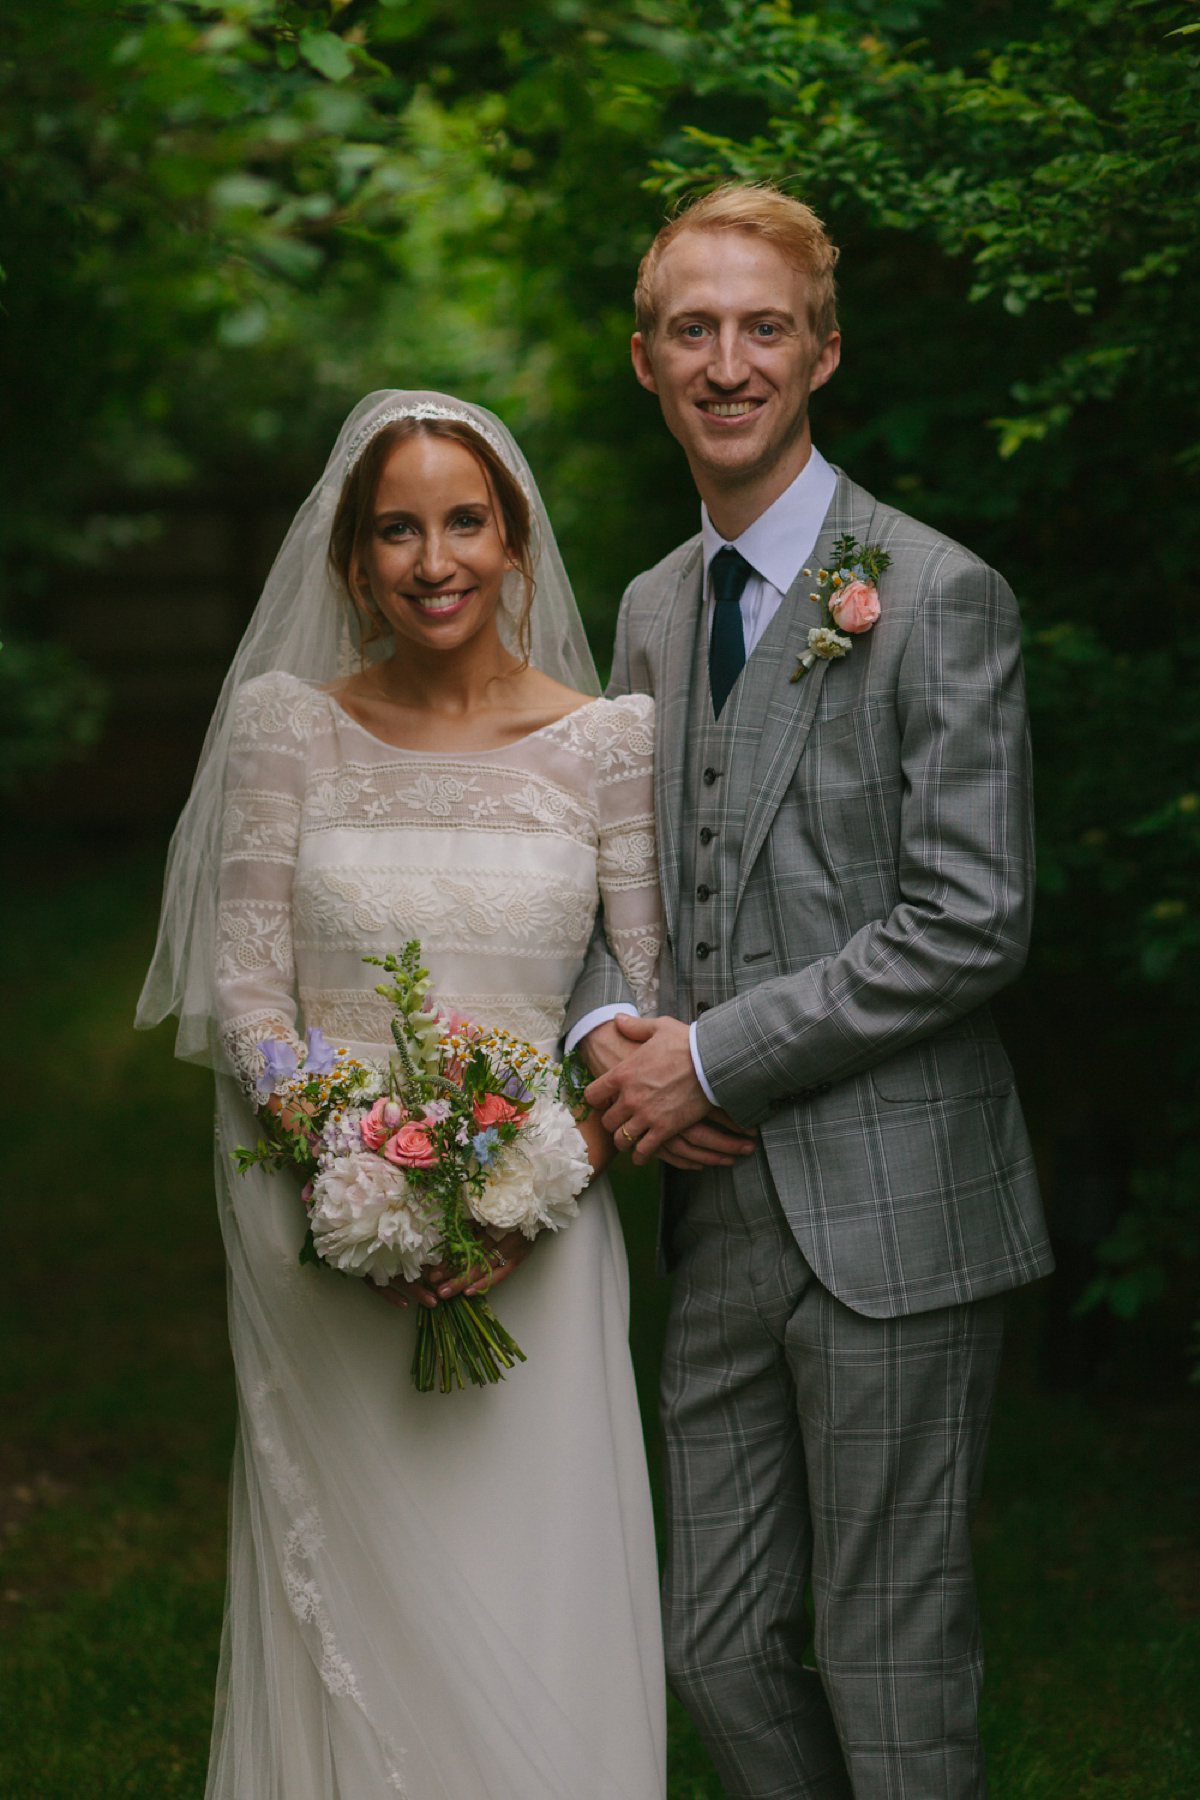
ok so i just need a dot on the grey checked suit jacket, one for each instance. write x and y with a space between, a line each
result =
886 864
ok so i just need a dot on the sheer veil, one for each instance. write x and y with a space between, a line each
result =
335 1530
303 626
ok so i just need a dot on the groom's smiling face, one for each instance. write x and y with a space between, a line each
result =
732 356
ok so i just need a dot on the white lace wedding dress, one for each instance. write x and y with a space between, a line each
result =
451 1597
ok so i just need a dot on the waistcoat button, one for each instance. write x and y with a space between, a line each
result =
702 950
703 891
711 775
701 1006
706 836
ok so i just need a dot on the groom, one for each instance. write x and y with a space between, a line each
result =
847 878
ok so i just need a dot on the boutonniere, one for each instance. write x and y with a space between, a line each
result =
848 595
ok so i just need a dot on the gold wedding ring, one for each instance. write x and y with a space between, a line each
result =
623 1131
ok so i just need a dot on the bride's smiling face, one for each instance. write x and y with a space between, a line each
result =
437 556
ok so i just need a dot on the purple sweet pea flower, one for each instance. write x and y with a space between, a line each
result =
280 1062
321 1058
437 1111
516 1089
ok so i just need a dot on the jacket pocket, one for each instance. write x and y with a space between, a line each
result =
961 1063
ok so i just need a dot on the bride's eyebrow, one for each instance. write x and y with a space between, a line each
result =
402 515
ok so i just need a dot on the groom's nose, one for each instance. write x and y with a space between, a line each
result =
728 366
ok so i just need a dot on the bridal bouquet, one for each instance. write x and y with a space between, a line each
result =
466 1131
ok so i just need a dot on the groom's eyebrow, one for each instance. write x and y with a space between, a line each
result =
704 315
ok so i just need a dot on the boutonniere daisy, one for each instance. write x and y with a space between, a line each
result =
848 595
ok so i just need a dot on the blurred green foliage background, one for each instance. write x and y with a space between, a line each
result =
221 223
116 1394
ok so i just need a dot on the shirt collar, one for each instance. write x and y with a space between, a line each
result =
781 539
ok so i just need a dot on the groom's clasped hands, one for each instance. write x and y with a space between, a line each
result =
649 1097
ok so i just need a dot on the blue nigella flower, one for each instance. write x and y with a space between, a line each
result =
485 1144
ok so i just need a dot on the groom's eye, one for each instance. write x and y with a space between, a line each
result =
693 331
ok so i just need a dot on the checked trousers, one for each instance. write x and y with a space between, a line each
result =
809 1447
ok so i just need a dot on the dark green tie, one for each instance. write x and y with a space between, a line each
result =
727 646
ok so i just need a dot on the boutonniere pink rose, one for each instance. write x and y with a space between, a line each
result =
848 595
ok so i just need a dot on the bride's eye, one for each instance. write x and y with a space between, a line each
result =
467 521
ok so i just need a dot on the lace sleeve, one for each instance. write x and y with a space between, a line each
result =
628 866
264 790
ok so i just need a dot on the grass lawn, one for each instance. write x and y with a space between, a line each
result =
117 1409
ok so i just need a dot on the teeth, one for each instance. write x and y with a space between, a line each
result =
733 409
437 603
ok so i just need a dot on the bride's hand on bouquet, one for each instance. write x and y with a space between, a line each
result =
500 1258
497 1260
404 1293
293 1117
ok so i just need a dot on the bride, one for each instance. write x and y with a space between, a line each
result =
449 1597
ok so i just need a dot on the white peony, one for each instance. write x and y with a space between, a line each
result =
367 1220
533 1186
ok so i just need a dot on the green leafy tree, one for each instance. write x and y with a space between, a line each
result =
222 223
1052 170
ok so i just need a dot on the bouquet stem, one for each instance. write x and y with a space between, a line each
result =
457 1337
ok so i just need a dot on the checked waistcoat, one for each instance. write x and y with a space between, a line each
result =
716 797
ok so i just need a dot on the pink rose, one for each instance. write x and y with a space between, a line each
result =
411 1148
855 607
493 1109
380 1122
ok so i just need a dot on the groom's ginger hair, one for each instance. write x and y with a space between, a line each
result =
763 211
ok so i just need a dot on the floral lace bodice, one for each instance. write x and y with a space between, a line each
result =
337 845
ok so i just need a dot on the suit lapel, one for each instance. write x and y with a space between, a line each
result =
673 705
791 706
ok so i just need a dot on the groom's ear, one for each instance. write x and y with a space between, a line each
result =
642 366
828 358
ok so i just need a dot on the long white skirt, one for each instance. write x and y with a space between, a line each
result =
444 1596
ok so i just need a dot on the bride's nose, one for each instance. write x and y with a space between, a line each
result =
436 561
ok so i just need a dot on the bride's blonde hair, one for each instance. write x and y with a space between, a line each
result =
350 534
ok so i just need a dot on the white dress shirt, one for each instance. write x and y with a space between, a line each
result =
776 546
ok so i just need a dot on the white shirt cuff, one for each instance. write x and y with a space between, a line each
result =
694 1047
600 1016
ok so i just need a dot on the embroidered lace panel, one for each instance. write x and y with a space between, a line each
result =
342 908
298 907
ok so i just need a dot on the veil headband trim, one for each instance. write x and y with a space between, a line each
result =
301 627
426 409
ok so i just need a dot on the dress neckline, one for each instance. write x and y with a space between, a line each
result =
459 755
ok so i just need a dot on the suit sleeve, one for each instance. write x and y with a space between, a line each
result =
965 865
